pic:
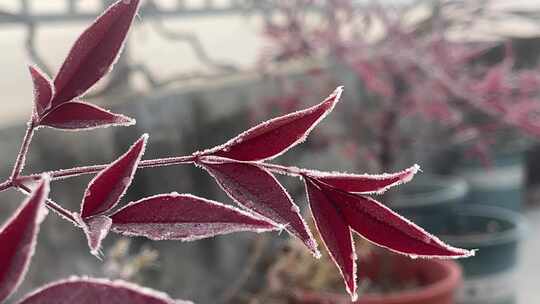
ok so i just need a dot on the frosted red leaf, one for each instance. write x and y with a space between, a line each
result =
43 90
95 51
105 190
79 115
257 190
274 137
384 227
335 234
183 217
334 209
96 229
365 183
96 291
18 239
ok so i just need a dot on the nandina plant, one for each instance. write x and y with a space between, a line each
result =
340 203
412 74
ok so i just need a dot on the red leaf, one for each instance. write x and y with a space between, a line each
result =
334 209
81 115
335 234
96 291
365 183
384 227
106 189
257 190
183 217
94 52
274 137
43 90
18 240
96 229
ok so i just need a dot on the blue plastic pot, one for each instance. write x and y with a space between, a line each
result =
428 200
496 233
501 184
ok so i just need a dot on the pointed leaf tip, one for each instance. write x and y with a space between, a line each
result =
78 115
257 190
335 234
384 227
95 51
96 229
18 238
365 183
96 291
43 90
105 190
183 217
274 137
336 213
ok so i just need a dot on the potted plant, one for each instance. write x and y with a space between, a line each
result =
383 278
496 232
340 203
411 282
418 99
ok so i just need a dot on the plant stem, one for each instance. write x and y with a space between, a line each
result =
21 157
150 163
72 172
66 214
169 161
284 170
5 185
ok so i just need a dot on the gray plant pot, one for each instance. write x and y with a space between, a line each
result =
489 276
428 200
499 184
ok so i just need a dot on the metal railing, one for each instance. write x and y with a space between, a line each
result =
150 9
151 12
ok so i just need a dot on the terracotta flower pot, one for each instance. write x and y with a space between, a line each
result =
438 280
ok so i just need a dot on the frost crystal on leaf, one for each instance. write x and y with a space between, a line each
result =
365 183
274 137
183 217
336 212
105 190
18 239
94 52
78 115
96 291
384 227
43 90
335 234
96 229
257 190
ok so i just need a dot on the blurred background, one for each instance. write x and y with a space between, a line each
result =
451 85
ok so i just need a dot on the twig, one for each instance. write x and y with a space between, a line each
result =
150 163
67 173
64 213
5 185
21 157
